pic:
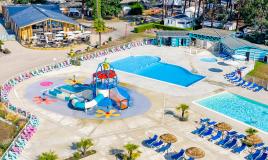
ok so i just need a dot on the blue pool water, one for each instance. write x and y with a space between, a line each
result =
151 67
239 108
208 59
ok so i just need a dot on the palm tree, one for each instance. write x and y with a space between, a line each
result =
251 131
51 155
184 110
1 44
184 7
132 150
84 145
100 27
199 5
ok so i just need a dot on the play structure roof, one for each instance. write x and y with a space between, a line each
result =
105 74
212 32
172 34
37 13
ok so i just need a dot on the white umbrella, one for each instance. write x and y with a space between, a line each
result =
232 63
34 37
239 57
47 33
87 32
76 32
59 35
61 32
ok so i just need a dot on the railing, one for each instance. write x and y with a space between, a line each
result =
7 37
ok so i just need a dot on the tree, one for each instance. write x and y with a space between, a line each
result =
100 27
1 44
108 7
185 5
84 145
199 6
251 131
132 151
184 110
51 155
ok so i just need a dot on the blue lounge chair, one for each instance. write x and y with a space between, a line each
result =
253 86
247 85
236 80
178 155
240 136
259 145
164 148
262 157
204 120
259 88
207 132
240 148
157 144
191 158
211 123
230 144
233 78
232 133
241 83
223 141
199 130
151 140
254 155
216 137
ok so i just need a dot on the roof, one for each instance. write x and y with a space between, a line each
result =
35 13
237 43
213 32
13 9
172 34
181 17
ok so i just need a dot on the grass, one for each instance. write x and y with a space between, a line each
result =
7 133
260 71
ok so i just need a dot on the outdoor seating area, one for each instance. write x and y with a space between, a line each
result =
222 135
163 144
235 78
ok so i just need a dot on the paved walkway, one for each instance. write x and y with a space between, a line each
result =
57 132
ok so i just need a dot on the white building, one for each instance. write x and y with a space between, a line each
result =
180 21
192 12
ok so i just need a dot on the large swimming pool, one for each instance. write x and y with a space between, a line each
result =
240 108
152 67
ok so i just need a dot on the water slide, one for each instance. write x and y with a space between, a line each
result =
119 98
78 104
59 94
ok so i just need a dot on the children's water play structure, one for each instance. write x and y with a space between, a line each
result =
103 92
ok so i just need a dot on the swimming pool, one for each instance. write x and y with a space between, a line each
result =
152 67
240 108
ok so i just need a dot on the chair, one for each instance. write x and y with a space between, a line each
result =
204 120
151 140
239 149
211 123
216 137
241 83
233 78
258 145
254 155
191 158
199 130
236 80
247 85
232 133
164 148
157 144
259 88
262 157
253 86
230 144
223 141
178 155
207 132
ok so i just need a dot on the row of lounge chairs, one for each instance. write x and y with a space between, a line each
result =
161 147
19 143
238 81
231 141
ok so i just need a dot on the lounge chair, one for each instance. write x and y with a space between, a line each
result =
262 157
204 120
233 78
240 136
240 148
253 86
241 83
208 132
199 130
258 145
150 140
191 158
259 88
247 85
211 123
223 141
254 155
230 144
232 133
178 155
216 137
236 80
157 144
164 148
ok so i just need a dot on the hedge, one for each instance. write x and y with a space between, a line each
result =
143 27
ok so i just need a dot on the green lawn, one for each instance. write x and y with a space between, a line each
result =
260 71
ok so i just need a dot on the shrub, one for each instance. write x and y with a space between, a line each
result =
21 123
110 39
12 118
144 27
6 51
76 156
136 8
51 155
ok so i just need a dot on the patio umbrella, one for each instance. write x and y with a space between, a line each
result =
168 138
223 126
195 152
61 32
47 33
253 139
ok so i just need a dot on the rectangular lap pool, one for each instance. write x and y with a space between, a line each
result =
237 107
151 67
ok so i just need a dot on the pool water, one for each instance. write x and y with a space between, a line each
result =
152 67
240 108
208 59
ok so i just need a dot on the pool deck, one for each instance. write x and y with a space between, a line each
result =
110 135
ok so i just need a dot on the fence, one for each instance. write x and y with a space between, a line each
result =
7 37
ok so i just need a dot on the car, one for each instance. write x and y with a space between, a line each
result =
239 34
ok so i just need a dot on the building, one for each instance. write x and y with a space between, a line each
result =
173 38
28 20
236 46
192 12
180 21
